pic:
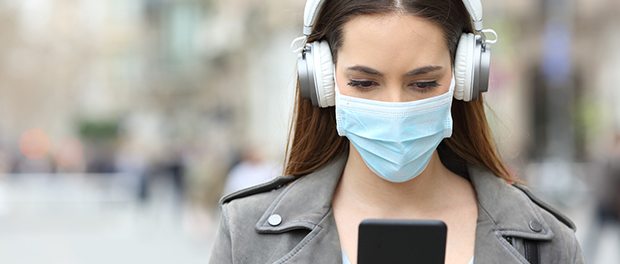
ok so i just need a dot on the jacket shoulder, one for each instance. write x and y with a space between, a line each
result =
548 208
564 246
269 186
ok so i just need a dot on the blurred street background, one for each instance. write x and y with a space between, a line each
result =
122 122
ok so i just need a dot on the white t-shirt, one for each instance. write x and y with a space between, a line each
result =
345 260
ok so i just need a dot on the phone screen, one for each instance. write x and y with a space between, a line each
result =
397 241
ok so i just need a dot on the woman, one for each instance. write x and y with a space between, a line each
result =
396 145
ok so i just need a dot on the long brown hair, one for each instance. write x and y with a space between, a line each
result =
313 139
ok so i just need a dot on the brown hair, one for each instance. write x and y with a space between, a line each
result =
313 139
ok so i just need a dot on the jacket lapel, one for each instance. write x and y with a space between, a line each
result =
322 245
306 204
489 247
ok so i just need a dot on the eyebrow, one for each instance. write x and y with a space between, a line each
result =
418 71
424 70
364 69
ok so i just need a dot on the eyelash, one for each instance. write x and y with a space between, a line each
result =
361 85
421 87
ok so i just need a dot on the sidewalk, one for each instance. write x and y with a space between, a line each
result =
94 219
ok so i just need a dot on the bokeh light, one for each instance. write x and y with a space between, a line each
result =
34 143
68 151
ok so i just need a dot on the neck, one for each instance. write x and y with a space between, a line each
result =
384 199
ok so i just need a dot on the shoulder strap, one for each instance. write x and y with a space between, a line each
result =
531 251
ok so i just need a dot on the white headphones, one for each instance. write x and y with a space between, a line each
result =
316 67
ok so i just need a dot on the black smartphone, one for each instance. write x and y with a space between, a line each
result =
398 241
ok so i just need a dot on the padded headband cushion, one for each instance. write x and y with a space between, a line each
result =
474 7
311 12
312 8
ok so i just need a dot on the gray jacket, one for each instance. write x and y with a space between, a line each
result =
291 221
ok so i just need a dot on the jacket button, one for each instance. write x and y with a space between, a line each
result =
535 226
275 219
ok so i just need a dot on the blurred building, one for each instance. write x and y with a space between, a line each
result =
193 78
198 80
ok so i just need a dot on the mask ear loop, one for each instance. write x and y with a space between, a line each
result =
448 122
339 126
452 83
336 90
297 50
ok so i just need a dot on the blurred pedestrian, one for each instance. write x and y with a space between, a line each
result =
609 200
253 169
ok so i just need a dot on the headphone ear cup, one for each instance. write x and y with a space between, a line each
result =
464 67
315 69
305 74
325 75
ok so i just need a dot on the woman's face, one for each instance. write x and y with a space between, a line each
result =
393 58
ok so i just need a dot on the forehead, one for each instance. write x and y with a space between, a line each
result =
393 38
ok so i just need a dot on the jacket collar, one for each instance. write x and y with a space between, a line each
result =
306 204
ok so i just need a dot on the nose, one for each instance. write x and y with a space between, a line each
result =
396 94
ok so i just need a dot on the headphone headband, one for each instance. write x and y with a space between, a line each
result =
474 8
311 12
316 68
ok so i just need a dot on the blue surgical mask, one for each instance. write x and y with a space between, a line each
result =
396 140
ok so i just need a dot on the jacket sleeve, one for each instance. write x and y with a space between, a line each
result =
222 247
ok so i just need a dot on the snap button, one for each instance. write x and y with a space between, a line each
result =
535 226
275 219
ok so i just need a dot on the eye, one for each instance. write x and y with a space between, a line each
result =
362 85
424 86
